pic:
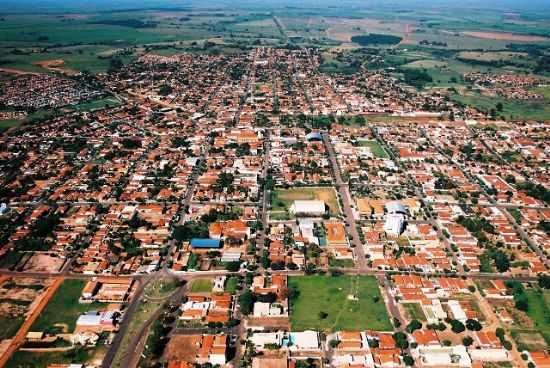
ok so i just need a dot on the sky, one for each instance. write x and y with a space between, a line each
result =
99 5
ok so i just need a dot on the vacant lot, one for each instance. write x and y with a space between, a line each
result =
375 148
201 286
414 311
64 308
282 199
26 359
539 311
337 303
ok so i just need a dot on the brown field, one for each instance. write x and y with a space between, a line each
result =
342 29
505 36
42 262
16 71
55 65
534 340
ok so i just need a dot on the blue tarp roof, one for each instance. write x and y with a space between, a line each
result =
205 243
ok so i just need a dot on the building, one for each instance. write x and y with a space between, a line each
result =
198 243
313 207
395 218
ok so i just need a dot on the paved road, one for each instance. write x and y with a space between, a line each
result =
343 189
130 311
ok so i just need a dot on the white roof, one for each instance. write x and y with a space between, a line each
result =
302 206
306 340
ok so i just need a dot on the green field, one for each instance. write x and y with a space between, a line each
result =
375 148
512 109
10 326
332 295
282 199
232 284
97 104
201 286
25 359
415 311
539 311
64 309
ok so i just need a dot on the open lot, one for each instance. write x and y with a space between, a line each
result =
26 359
375 148
282 199
64 308
337 303
539 311
201 286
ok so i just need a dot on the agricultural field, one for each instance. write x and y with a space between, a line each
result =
282 199
337 303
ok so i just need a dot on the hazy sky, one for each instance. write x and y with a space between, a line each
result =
93 5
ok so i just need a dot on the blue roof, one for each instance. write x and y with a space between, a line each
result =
205 243
314 136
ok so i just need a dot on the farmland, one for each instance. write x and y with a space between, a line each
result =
337 303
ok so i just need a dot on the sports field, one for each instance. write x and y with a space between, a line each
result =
328 303
282 199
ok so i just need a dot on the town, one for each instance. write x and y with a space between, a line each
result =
249 210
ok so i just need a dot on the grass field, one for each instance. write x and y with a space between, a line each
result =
512 109
25 359
282 199
10 326
539 311
333 296
341 263
97 104
375 148
201 286
232 284
414 311
64 308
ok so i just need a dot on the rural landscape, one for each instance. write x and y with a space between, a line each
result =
274 184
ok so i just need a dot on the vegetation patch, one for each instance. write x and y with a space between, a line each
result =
376 39
334 303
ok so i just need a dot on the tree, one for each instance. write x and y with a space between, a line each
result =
408 360
334 343
413 326
233 266
246 301
473 325
544 281
401 340
323 315
457 326
467 341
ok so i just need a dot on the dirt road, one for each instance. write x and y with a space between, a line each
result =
19 338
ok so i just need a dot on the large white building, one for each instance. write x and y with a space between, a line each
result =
314 208
395 218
